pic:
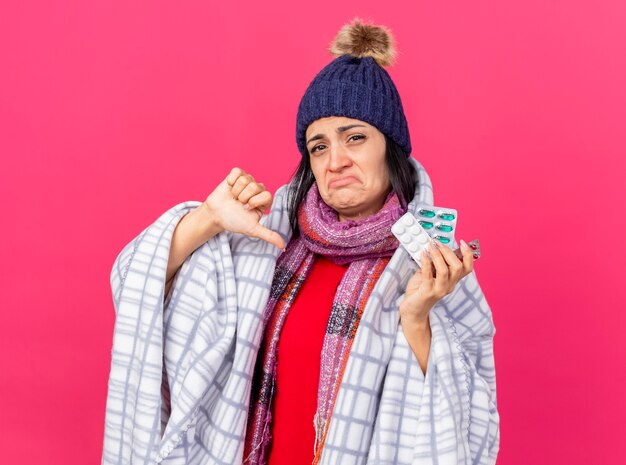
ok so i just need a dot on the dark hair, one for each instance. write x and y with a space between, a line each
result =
402 176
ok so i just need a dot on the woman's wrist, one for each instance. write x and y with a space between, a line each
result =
417 318
418 334
205 222
415 324
194 229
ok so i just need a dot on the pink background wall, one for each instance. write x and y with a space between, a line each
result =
112 112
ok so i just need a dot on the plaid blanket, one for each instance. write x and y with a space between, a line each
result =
181 366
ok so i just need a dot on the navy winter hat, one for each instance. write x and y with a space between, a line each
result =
356 85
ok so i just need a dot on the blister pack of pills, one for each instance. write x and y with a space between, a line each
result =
416 232
440 223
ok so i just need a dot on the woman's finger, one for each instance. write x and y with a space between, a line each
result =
260 201
249 191
468 258
427 268
268 235
455 265
234 175
240 184
441 267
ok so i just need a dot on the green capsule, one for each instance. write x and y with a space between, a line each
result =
442 239
446 216
426 213
426 224
444 227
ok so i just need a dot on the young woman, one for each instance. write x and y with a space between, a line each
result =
306 335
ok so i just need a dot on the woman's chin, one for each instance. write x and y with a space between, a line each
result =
348 206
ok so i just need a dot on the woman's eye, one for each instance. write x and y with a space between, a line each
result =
316 147
358 136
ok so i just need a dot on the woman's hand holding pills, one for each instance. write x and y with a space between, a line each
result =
237 204
425 289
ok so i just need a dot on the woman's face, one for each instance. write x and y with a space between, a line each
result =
348 161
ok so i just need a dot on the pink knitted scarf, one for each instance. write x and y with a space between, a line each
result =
367 246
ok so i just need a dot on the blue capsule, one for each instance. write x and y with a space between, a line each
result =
446 216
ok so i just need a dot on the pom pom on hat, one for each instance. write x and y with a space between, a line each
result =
360 39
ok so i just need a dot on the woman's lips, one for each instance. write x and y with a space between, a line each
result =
342 181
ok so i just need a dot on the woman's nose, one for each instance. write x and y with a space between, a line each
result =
339 158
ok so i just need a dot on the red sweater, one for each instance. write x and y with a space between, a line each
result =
298 369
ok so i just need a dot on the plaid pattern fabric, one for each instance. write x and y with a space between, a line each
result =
181 367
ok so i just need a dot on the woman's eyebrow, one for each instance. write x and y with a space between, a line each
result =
339 130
